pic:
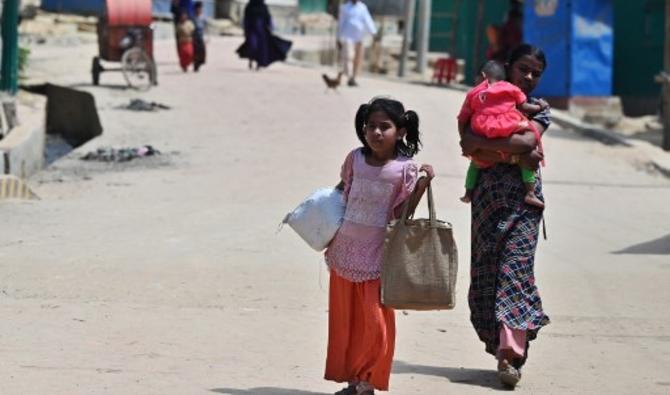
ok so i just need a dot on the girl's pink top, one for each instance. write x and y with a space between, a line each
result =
372 194
491 109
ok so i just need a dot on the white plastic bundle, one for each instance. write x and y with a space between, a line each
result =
318 217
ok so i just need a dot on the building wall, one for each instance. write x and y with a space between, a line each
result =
454 29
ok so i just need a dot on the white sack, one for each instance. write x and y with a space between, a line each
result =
318 217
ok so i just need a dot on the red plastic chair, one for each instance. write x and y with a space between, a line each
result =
444 69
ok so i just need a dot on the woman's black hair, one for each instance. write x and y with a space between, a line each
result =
409 120
527 49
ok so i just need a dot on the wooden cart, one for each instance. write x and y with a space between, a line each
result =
125 35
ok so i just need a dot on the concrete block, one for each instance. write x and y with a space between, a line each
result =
606 111
22 150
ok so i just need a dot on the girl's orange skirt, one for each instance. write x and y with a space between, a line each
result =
185 51
361 333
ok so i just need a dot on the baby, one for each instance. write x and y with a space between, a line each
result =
496 108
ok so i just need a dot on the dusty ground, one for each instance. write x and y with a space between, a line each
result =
168 276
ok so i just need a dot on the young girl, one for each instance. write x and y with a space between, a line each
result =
185 30
377 179
495 108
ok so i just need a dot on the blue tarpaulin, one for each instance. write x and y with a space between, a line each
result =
578 40
77 7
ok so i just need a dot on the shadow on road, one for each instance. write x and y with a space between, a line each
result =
118 87
478 377
659 246
265 391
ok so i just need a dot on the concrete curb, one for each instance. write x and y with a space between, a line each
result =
658 158
595 132
12 187
23 148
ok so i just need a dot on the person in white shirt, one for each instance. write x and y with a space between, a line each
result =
355 22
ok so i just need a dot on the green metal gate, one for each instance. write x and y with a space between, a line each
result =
313 6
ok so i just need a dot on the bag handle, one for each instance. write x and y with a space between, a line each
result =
431 208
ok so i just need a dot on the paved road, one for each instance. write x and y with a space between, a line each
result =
167 276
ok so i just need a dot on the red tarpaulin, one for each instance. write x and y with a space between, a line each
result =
128 12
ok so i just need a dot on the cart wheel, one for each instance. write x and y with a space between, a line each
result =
96 69
137 68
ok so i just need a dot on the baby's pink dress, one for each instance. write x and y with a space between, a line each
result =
372 194
491 109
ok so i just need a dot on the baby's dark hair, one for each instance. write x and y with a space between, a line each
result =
409 120
197 5
494 70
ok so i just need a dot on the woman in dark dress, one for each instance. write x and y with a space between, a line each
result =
505 306
260 45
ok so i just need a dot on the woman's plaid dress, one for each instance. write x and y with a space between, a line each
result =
504 237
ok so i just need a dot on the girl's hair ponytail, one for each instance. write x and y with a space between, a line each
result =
359 124
410 145
409 120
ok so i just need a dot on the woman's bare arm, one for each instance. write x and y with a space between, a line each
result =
520 148
515 144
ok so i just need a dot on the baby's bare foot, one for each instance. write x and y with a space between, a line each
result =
533 200
467 198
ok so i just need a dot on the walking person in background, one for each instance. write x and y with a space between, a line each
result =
178 8
377 179
185 31
354 24
505 305
199 48
260 45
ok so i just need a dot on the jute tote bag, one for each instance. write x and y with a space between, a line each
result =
420 263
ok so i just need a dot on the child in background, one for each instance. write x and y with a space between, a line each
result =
495 108
185 30
199 48
377 179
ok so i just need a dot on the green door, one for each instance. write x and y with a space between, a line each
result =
639 36
313 6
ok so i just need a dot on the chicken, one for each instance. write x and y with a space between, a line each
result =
332 83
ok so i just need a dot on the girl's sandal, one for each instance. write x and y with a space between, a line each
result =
365 390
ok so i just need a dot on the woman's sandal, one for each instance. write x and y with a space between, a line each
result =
508 375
